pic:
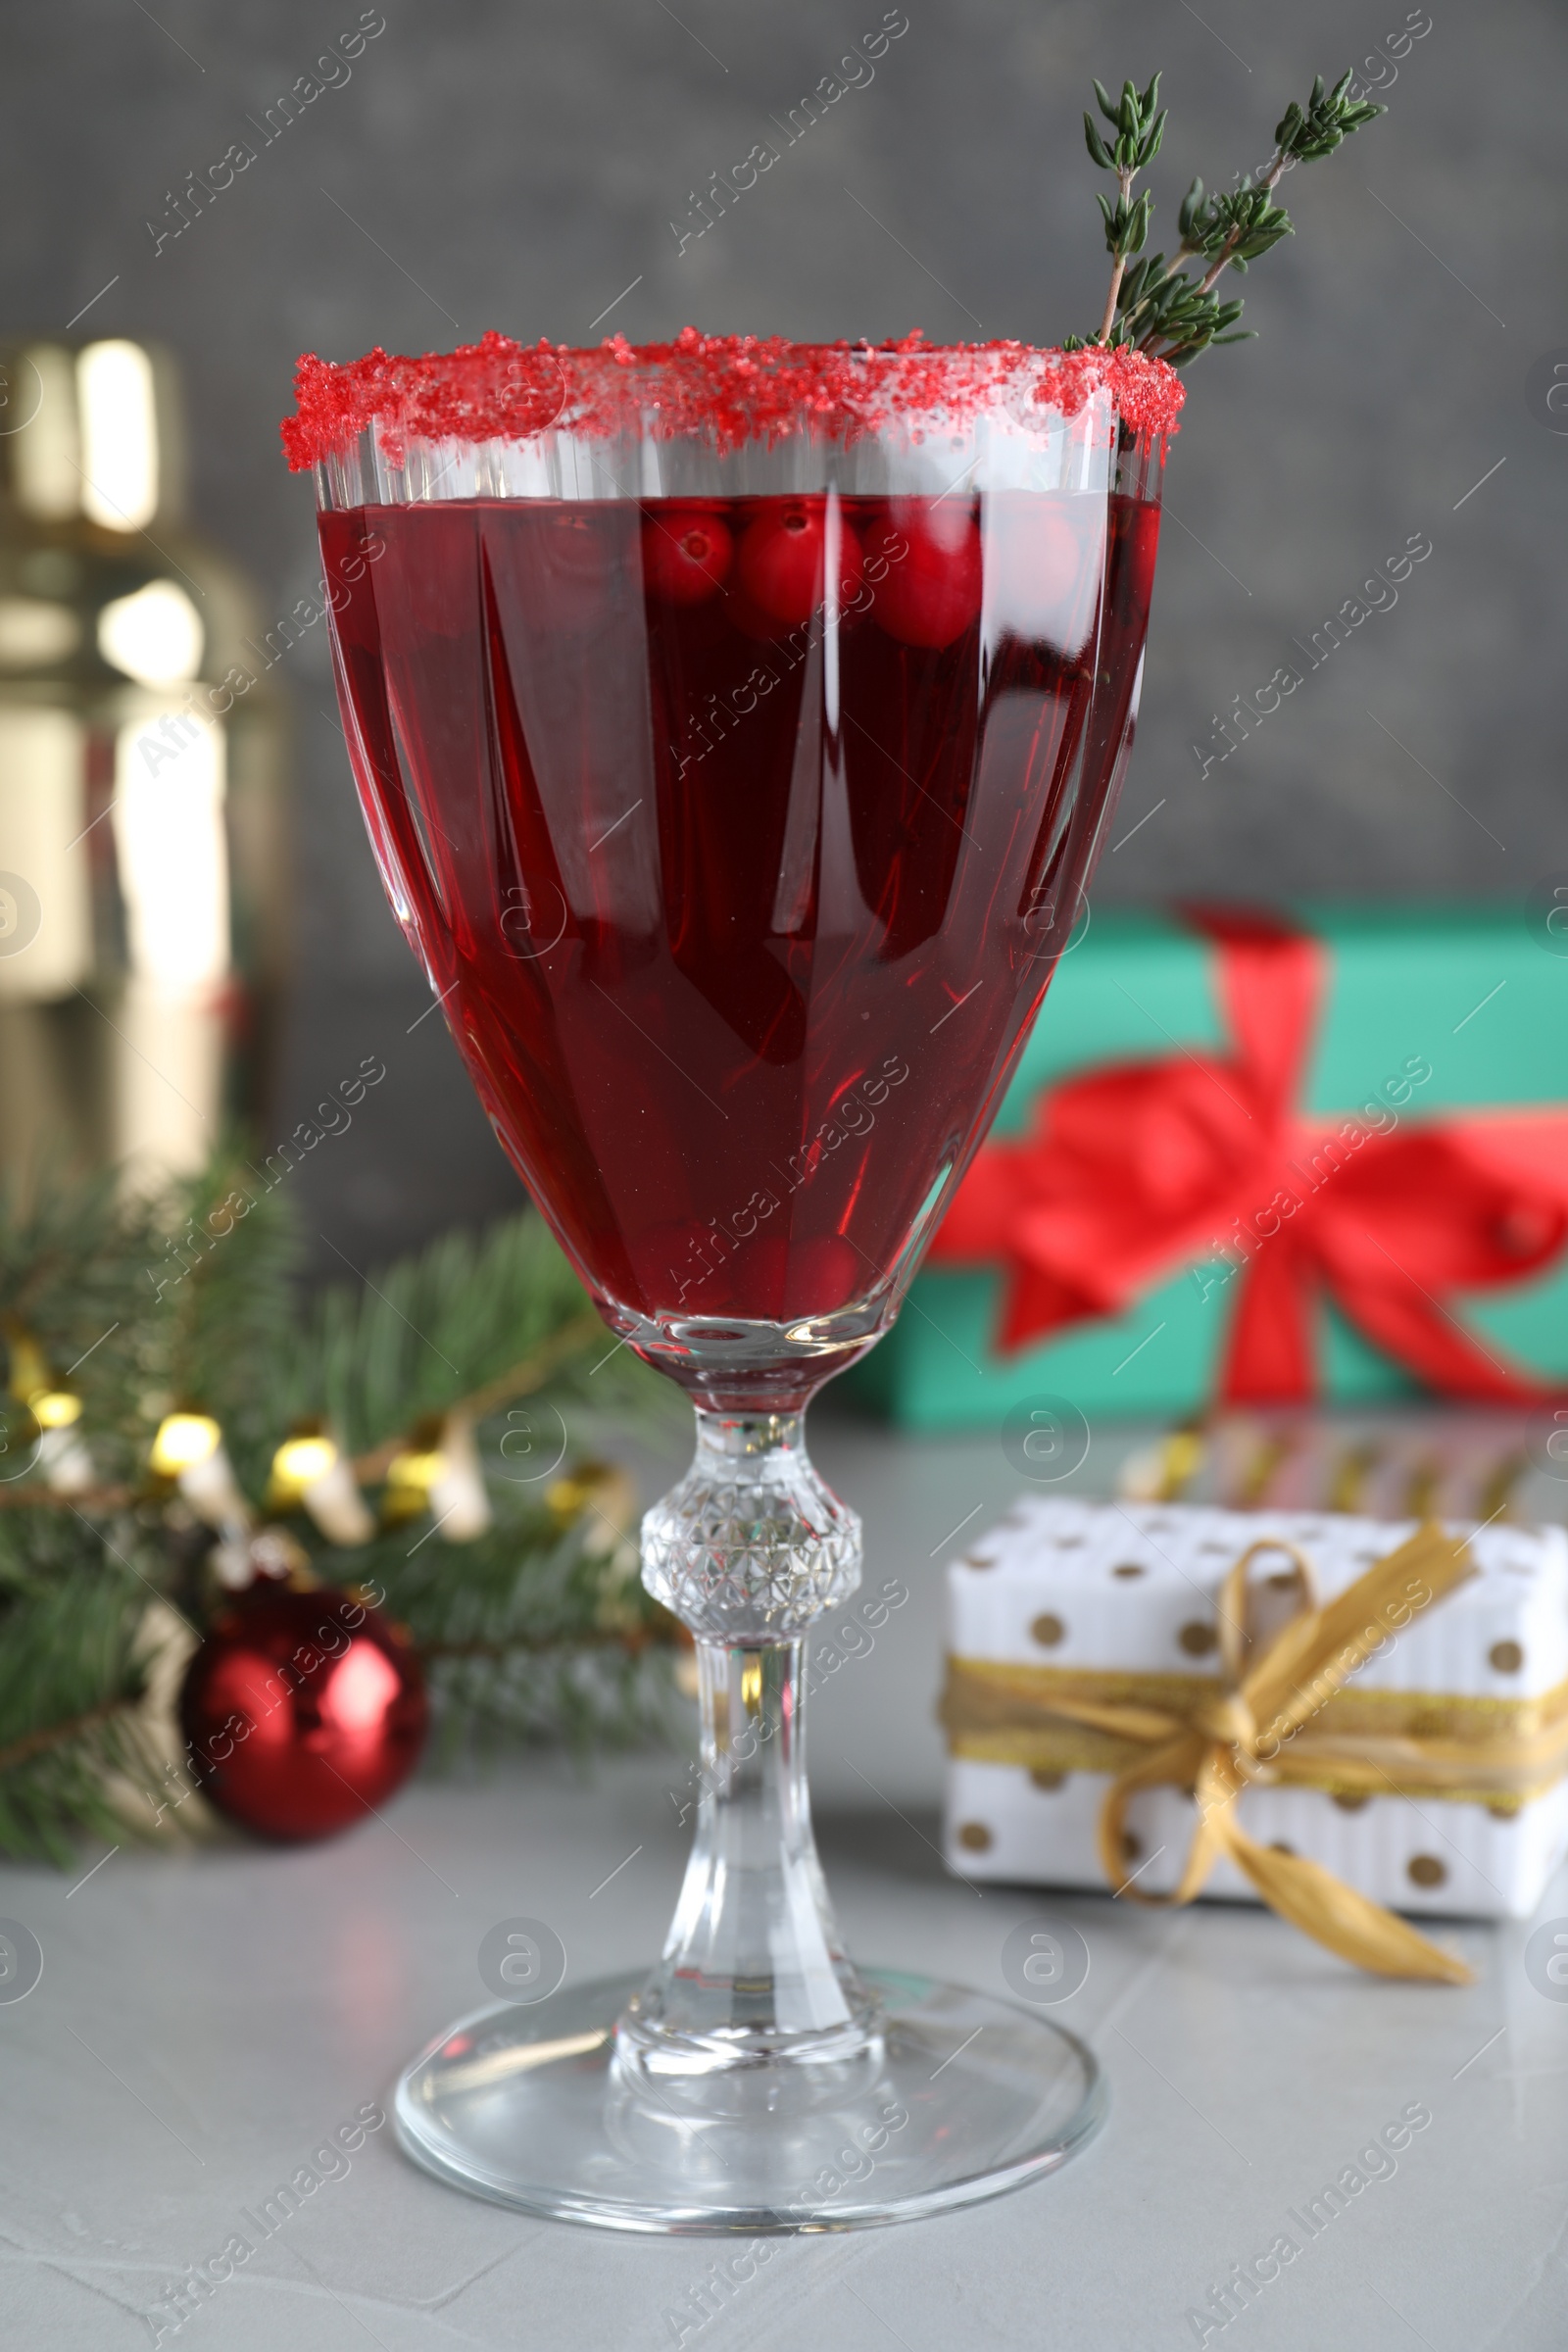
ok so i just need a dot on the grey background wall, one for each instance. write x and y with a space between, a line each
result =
512 164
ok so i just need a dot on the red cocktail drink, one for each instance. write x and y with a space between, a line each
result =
1132 545
738 837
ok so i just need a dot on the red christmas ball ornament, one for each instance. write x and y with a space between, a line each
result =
783 560
930 592
302 1711
686 554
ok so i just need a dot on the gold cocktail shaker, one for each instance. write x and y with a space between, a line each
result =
141 876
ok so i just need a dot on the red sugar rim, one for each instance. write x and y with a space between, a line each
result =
734 388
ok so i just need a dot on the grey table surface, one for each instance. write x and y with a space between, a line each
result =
207 2019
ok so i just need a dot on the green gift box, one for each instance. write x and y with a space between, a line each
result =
1250 1158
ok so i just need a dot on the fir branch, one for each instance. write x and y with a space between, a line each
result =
580 1698
1155 306
34 1495
523 1379
227 1309
539 1629
73 1263
465 1325
539 1645
58 1242
72 1672
55 1734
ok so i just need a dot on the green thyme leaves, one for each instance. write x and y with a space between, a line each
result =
1138 128
1304 134
1161 307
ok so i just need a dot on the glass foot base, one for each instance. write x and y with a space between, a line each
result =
960 2098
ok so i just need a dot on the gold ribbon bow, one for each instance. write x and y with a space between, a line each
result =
1229 1734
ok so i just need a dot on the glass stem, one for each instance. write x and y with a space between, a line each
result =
753 1969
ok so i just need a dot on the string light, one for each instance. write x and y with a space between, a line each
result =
311 1473
62 1461
436 1473
54 1408
410 1477
184 1441
297 1464
439 1471
51 1406
412 1473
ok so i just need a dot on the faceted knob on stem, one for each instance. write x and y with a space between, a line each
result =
750 1547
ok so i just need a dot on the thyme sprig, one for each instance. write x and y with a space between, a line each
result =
1161 307
1139 133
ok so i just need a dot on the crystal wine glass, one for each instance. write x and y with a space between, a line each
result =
735 724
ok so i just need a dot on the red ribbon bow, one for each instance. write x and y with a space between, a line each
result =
1141 1168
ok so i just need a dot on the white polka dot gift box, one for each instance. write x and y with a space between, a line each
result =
1385 1702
